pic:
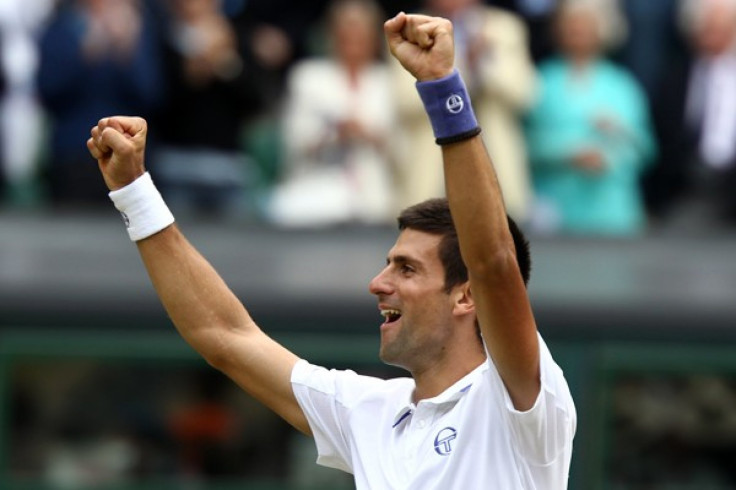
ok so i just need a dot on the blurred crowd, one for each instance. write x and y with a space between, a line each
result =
603 117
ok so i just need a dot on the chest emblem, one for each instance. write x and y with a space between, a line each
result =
444 441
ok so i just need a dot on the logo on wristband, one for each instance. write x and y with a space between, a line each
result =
454 103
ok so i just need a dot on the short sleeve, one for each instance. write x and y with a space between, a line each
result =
315 389
545 431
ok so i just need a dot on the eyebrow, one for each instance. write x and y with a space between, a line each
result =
404 259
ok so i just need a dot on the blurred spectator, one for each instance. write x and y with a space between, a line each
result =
652 39
212 91
98 57
337 122
492 55
696 114
589 132
277 32
21 122
281 33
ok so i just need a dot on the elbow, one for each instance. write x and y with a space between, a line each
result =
218 345
214 352
498 266
215 358
507 257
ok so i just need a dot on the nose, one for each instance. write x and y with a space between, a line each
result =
380 284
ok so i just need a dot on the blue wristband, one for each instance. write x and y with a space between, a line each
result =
448 106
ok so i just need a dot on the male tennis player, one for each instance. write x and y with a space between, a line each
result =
485 406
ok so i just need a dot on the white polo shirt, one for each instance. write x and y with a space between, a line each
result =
468 437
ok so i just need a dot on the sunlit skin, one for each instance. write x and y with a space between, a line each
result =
435 332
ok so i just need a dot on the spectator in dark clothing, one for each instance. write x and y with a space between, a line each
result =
653 39
280 33
212 91
695 111
97 57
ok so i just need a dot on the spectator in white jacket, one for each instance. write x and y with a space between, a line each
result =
337 119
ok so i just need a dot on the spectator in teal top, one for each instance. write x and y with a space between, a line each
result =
589 132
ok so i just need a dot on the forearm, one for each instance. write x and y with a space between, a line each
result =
424 46
204 310
197 300
488 250
215 323
477 204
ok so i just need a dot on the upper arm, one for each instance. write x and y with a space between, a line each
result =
487 247
545 431
508 327
213 321
262 367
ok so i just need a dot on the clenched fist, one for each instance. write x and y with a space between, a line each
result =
118 143
423 45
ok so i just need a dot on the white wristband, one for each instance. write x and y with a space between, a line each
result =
144 210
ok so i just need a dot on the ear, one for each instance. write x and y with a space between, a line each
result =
463 303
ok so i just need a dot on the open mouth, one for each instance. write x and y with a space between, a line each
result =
391 315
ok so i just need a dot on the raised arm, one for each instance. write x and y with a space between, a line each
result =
206 313
424 46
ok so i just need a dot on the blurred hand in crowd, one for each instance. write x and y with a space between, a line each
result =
113 27
207 40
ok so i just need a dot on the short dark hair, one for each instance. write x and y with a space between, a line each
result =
433 216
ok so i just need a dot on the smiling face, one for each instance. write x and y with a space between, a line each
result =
419 313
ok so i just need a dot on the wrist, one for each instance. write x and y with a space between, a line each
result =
143 209
448 107
429 77
114 185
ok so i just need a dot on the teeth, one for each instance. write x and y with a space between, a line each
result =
390 313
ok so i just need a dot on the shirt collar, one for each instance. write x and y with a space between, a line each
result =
450 395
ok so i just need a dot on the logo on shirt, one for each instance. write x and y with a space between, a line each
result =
454 103
444 441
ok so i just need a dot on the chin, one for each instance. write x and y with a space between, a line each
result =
388 358
392 359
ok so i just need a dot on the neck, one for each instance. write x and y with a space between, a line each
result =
581 62
439 376
353 71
